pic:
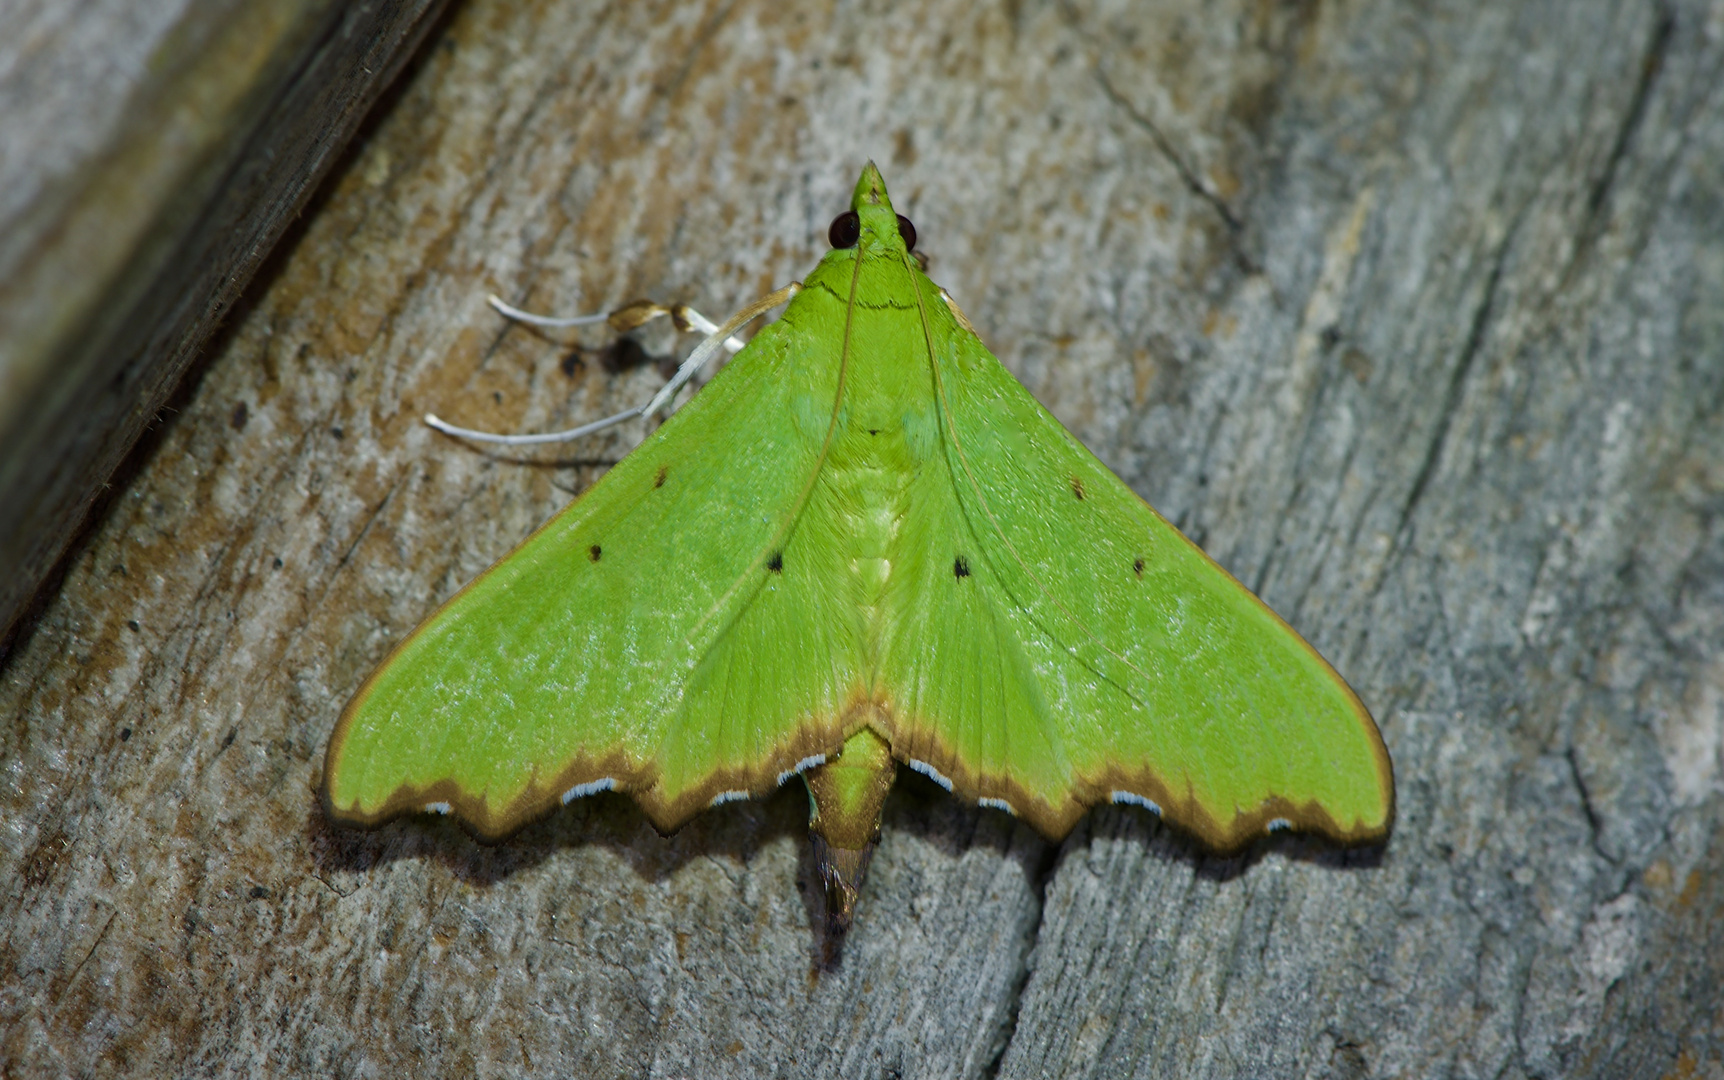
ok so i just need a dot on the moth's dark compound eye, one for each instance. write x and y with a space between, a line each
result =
908 232
846 230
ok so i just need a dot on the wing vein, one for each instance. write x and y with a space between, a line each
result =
782 536
993 519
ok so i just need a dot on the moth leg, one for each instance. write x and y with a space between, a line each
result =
510 311
641 312
624 319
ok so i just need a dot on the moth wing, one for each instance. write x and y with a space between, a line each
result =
643 640
1076 648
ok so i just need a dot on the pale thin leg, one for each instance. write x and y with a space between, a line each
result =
510 311
718 337
622 319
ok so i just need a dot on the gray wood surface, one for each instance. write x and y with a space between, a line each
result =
154 152
1410 314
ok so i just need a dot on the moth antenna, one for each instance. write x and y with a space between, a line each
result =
718 337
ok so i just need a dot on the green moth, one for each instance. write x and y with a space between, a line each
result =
863 544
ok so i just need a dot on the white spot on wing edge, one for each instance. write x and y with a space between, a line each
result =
997 804
931 773
1133 799
1279 824
806 763
438 808
727 796
592 787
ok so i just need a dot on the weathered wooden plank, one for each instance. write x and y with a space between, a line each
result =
155 152
1495 497
1409 315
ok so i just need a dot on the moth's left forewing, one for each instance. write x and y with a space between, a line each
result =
1143 671
647 639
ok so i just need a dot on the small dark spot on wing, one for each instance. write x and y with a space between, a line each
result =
594 552
658 477
1077 487
1137 567
960 568
776 563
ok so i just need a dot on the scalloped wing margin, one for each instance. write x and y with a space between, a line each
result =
652 638
1121 662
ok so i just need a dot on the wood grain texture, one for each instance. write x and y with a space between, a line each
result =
156 150
1409 315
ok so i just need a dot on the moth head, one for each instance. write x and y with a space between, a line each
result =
871 221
